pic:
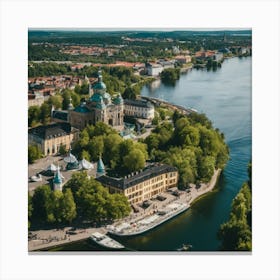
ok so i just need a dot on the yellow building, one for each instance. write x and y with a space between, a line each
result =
143 185
49 138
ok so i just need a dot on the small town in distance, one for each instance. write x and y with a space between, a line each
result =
105 162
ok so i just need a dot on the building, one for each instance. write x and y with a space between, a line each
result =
35 100
166 63
139 109
50 137
154 69
205 54
218 56
183 59
143 185
100 107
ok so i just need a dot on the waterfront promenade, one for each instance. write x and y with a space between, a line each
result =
43 239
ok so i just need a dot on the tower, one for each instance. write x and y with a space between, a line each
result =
100 170
70 105
57 180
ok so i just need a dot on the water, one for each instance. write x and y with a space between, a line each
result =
225 97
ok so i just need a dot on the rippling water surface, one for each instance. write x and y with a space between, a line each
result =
225 97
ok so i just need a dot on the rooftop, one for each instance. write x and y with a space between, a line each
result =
138 103
51 130
149 172
60 114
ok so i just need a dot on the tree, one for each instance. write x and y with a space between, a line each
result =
131 93
45 113
236 233
77 180
54 209
206 167
152 142
155 120
41 202
95 147
55 101
30 209
111 149
33 115
62 150
134 161
170 75
66 99
68 206
85 155
34 153
84 89
176 116
117 206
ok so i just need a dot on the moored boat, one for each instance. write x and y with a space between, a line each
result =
105 241
150 222
185 247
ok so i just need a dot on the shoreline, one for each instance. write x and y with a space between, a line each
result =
47 239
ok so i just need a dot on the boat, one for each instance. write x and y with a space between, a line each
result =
148 223
105 241
185 247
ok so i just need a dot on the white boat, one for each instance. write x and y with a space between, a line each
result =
36 178
185 247
105 241
148 223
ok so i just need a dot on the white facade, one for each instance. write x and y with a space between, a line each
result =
154 69
139 109
219 56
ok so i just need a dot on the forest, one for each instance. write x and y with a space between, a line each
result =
236 233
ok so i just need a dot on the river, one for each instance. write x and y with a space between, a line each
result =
225 97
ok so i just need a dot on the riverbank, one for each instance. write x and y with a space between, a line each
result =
46 239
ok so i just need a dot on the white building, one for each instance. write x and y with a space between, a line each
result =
219 56
183 58
139 109
154 69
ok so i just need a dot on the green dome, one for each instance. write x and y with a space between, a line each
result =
96 98
118 100
99 85
82 109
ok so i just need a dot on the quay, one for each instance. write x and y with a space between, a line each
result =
45 239
148 223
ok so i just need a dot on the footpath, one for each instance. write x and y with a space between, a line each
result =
43 239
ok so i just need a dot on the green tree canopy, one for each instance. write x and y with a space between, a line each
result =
34 153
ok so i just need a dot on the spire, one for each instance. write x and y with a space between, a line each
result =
100 168
57 180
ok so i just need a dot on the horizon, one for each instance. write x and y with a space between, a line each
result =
85 29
